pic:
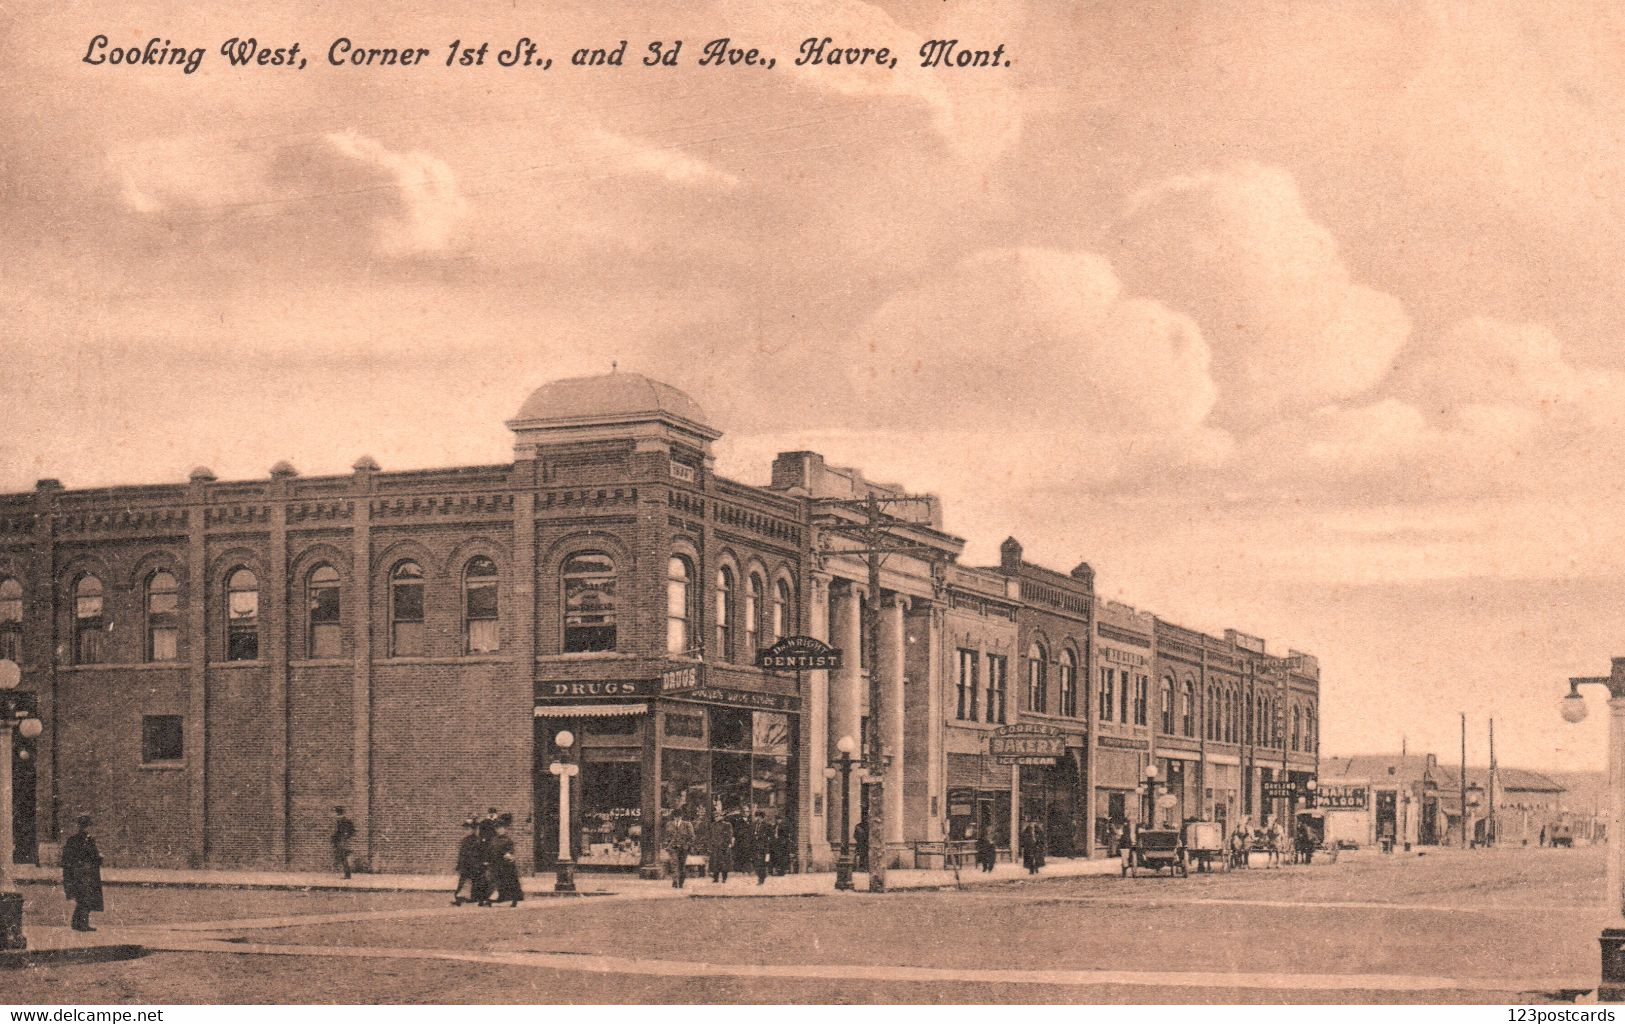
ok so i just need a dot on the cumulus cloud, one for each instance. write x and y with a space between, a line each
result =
1027 337
1237 251
670 163
423 205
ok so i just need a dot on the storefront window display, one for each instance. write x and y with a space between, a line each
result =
725 763
611 822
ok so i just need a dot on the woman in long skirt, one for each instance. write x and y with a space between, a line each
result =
504 869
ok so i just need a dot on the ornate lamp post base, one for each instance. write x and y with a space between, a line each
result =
843 873
565 879
11 921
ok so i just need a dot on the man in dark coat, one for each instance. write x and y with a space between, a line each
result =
469 864
343 838
783 843
1032 846
721 849
762 846
860 844
504 868
485 878
82 875
744 842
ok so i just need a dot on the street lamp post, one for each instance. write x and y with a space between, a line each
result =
12 716
564 768
1151 795
1612 940
843 766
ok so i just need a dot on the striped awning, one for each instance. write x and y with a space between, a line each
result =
589 710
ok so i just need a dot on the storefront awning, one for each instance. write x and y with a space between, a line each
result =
589 710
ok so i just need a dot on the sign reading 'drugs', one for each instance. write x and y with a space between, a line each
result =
1027 744
569 689
798 653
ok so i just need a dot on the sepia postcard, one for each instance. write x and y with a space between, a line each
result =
811 502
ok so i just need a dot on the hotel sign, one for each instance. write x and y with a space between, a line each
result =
1027 744
799 653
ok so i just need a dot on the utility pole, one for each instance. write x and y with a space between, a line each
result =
1489 828
1464 843
871 533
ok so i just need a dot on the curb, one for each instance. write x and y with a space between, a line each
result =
21 958
290 887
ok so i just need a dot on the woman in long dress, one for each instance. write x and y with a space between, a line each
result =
504 869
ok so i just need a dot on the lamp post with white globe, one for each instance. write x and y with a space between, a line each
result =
1613 934
843 766
12 716
565 769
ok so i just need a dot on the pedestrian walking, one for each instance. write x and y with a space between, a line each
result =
469 864
860 842
782 845
744 857
1543 835
82 875
504 868
721 849
986 853
1032 846
762 843
484 885
343 840
679 840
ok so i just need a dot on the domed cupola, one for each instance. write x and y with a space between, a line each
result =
611 406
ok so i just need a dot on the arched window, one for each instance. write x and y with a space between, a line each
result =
1037 679
1108 693
242 616
725 614
1167 705
1312 733
406 611
11 620
482 625
783 616
1142 683
324 638
679 610
753 612
1068 672
163 623
1248 716
88 625
1187 709
589 602
1297 728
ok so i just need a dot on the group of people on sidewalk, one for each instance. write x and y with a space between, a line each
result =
486 864
730 842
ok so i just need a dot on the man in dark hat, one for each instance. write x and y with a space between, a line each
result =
82 875
469 864
343 838
762 846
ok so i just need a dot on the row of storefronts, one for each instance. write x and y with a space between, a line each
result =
220 663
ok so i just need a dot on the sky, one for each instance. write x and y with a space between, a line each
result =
1301 319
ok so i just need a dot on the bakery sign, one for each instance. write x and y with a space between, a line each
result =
1027 744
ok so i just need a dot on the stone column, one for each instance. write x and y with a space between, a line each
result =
846 688
890 667
816 814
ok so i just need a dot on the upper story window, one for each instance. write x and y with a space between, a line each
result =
1037 678
1247 716
725 614
679 607
325 637
163 621
11 620
1108 693
1142 683
1297 729
88 624
589 602
753 612
1068 672
1187 709
242 616
782 618
406 611
1167 722
482 623
968 661
998 673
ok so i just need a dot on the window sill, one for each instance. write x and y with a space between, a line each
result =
321 662
461 659
162 766
587 656
127 666
238 664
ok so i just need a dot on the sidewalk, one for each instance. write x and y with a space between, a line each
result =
50 946
587 883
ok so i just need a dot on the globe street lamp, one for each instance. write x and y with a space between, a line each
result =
12 716
1573 709
842 765
564 769
1151 795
